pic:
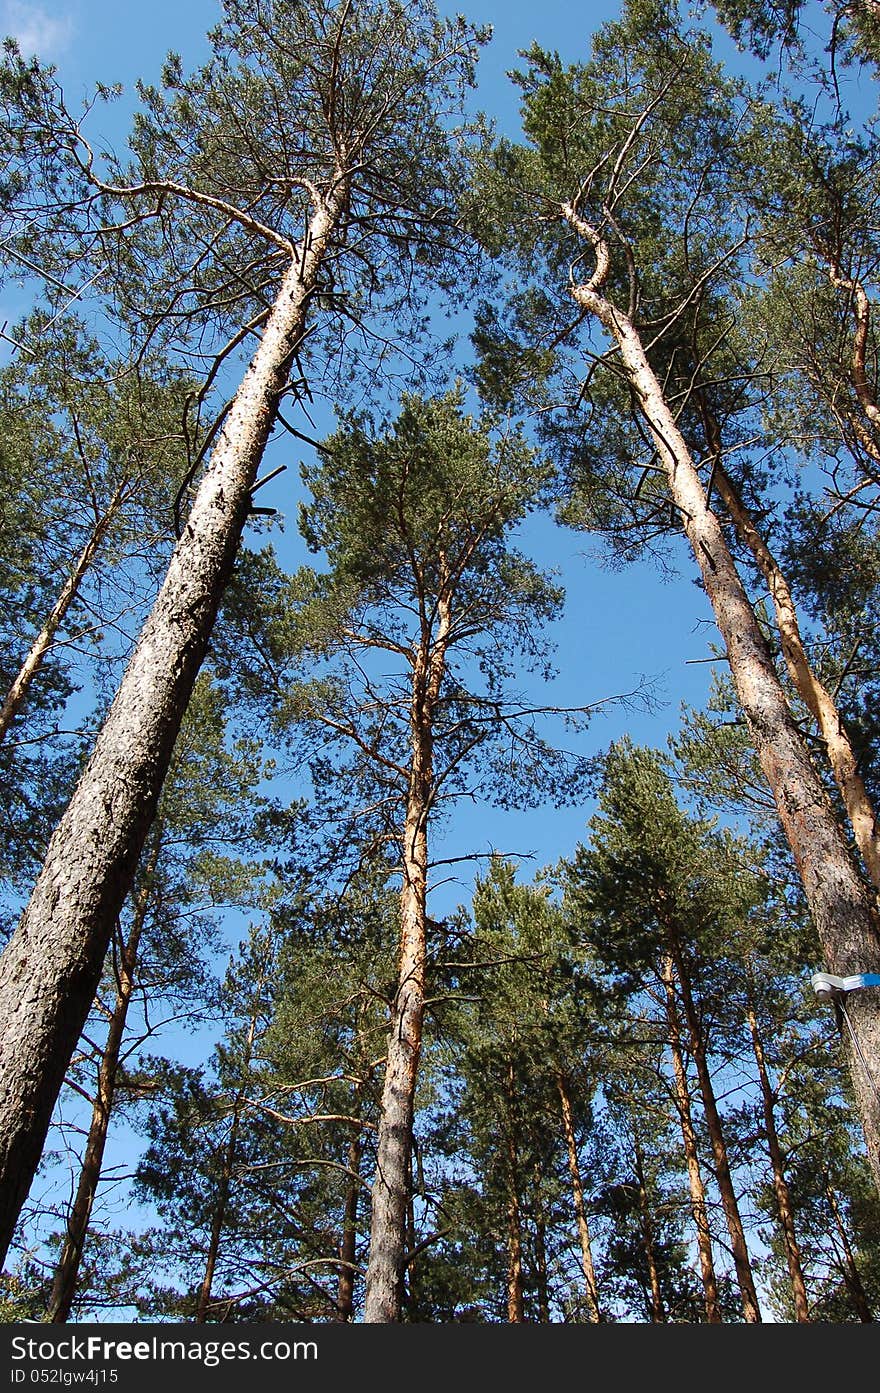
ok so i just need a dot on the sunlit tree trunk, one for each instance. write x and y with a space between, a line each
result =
591 1290
396 1114
50 969
66 1273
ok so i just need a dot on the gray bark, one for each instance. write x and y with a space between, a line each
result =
50 969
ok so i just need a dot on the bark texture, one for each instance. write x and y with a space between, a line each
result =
66 1273
382 1301
50 969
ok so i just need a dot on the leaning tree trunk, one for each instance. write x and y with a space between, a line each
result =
816 696
738 1245
689 1139
841 910
382 1299
591 1289
780 1186
69 591
67 1271
50 968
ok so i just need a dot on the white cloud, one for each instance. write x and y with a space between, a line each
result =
35 31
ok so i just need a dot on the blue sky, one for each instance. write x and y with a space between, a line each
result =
618 628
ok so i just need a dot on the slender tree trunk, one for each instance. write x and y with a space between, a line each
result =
591 1289
738 1245
51 966
67 1271
41 644
541 1275
780 1187
224 1185
515 1295
842 913
851 1275
397 1110
348 1244
658 1310
689 1140
218 1217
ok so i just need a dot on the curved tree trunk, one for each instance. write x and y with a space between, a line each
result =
591 1290
41 644
50 968
67 1271
780 1187
689 1140
842 913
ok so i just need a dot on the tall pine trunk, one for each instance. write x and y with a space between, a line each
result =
382 1300
68 593
699 1208
838 901
49 970
784 1207
67 1272
591 1290
729 1203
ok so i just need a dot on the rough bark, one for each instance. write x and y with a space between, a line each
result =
41 644
780 1187
66 1273
689 1141
591 1290
729 1203
50 969
813 692
382 1300
839 904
